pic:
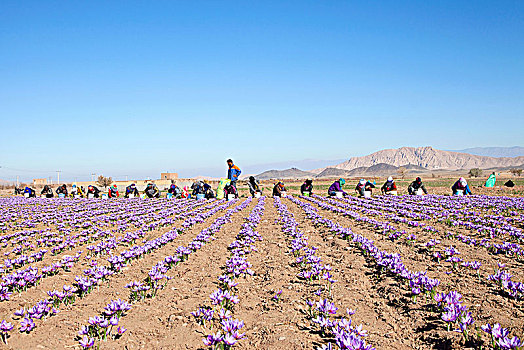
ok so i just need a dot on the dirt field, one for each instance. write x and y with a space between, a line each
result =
286 260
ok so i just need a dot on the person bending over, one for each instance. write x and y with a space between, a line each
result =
62 190
278 189
307 188
230 189
363 186
93 191
389 186
152 191
31 193
47 191
175 191
113 192
337 187
131 190
461 186
417 185
254 186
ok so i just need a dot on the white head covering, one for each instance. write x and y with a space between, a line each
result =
390 178
362 181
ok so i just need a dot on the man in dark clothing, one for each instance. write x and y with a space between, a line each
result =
131 190
278 189
416 185
364 186
197 187
152 191
62 190
230 189
254 186
208 191
389 186
93 191
47 191
307 188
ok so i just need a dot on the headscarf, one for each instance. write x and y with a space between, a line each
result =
341 181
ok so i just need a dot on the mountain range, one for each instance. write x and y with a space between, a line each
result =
413 159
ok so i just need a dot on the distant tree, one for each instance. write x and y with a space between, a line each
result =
475 172
516 172
104 181
402 172
433 175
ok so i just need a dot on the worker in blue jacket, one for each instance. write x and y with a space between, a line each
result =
30 191
233 173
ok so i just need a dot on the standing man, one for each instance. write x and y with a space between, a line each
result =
233 173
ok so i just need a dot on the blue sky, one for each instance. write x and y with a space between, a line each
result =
135 87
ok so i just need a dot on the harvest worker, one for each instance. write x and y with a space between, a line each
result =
416 185
208 191
113 192
307 188
152 191
93 191
389 186
230 189
31 193
174 190
461 187
337 187
75 190
233 173
131 190
278 189
254 186
47 191
364 186
62 190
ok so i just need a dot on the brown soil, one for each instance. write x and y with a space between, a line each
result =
382 303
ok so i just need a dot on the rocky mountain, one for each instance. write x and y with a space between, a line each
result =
515 151
428 158
292 173
380 169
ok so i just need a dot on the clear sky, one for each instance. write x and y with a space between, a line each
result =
138 87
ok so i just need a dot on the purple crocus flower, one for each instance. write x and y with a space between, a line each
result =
86 342
27 325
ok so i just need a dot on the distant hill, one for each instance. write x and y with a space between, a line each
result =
515 151
332 172
292 173
427 158
381 169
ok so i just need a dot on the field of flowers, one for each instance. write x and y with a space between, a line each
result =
402 272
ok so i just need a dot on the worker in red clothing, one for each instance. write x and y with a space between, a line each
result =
113 192
389 186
